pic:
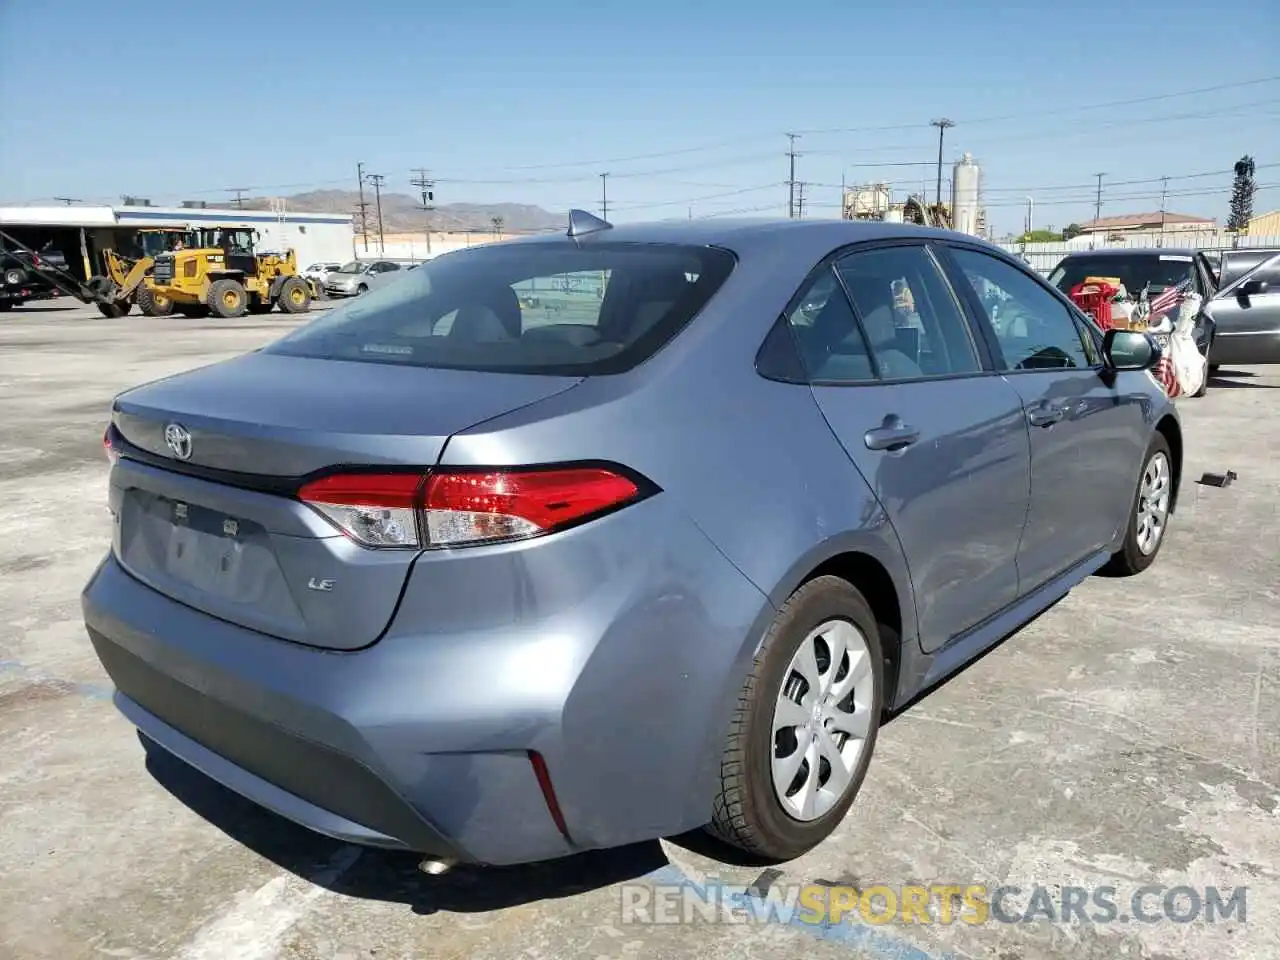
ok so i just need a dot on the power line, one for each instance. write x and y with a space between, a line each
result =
1123 183
1058 111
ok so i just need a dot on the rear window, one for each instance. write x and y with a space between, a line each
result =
524 308
1158 272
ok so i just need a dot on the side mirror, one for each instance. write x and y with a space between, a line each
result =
1251 288
1129 350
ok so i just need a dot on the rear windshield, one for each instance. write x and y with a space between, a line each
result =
524 308
1159 271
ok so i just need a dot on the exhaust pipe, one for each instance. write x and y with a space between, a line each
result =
436 867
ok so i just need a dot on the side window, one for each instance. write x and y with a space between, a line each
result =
913 324
1034 329
827 334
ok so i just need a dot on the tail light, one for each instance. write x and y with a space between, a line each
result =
466 507
111 452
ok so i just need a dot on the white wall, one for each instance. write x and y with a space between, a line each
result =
314 242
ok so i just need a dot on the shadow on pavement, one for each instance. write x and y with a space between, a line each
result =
390 875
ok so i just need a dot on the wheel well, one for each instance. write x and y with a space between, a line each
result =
873 582
1172 433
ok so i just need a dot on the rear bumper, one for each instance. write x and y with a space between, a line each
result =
423 740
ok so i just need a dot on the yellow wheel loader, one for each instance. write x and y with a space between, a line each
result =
223 275
125 281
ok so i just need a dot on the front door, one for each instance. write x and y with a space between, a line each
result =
1246 313
1085 454
941 442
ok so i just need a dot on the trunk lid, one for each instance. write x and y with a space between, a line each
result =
220 530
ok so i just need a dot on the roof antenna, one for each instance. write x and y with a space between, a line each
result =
581 223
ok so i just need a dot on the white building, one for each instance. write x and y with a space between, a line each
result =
80 230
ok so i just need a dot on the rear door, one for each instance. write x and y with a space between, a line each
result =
1086 434
907 390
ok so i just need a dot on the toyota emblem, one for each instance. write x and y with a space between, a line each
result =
178 439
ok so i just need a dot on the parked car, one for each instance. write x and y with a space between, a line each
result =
320 271
498 584
1240 319
357 278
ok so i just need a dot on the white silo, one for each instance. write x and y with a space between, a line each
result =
966 186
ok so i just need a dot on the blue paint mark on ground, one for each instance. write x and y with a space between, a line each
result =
94 691
874 941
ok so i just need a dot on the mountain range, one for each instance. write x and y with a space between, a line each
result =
402 213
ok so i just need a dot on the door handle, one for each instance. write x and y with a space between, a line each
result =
1045 415
892 434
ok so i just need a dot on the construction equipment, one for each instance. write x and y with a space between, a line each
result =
222 274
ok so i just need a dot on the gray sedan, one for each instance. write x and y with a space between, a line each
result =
358 277
583 540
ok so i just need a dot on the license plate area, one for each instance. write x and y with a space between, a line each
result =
206 550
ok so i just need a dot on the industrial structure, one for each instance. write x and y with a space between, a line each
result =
965 213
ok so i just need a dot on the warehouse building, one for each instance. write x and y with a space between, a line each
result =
82 231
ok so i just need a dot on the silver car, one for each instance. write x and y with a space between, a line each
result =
359 277
578 541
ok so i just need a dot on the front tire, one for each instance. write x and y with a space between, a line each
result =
805 724
227 298
151 303
1149 513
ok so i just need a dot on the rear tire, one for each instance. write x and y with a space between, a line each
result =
783 729
1148 515
294 296
227 299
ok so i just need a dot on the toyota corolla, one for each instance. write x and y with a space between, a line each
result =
587 539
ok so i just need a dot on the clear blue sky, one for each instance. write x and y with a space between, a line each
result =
102 100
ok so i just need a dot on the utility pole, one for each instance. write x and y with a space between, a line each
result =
428 188
377 179
239 196
942 124
604 196
68 201
791 177
1164 195
844 214
1031 205
1097 211
800 200
364 207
